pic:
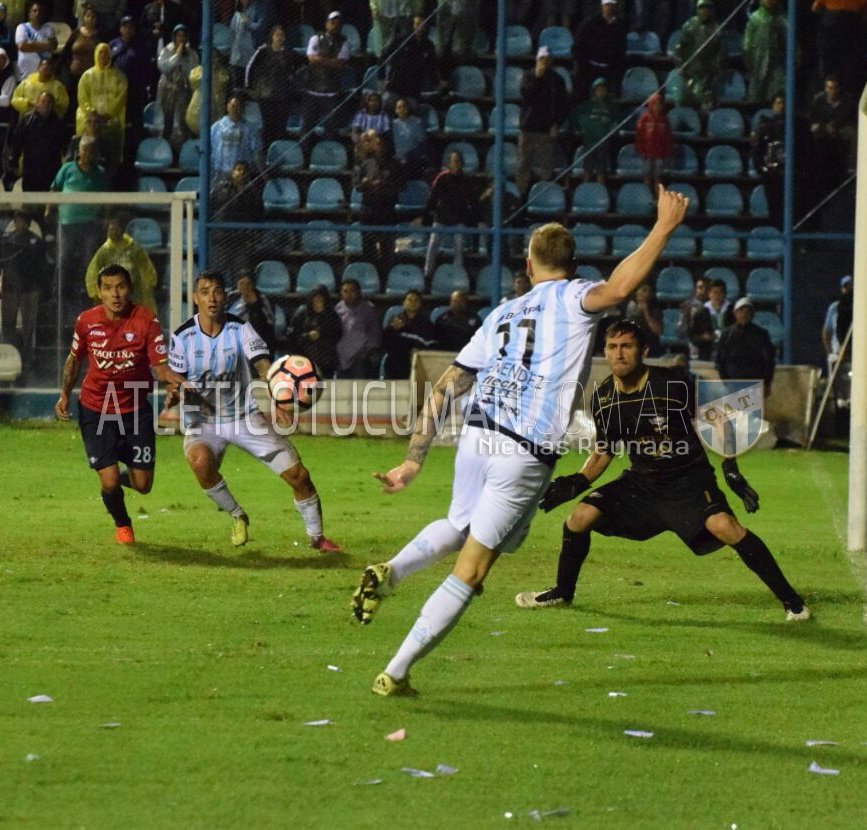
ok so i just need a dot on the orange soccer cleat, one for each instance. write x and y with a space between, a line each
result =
124 535
325 545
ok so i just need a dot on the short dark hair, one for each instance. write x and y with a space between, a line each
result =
211 276
719 284
620 327
114 269
351 281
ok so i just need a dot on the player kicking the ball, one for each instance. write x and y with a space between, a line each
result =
122 342
214 352
670 484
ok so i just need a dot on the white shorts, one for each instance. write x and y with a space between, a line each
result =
255 434
496 489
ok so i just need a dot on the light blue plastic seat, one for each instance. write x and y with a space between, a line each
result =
153 119
629 163
510 159
325 195
771 321
690 192
146 231
518 41
449 277
320 237
328 157
390 313
672 42
759 202
681 244
639 83
635 198
252 115
281 195
221 38
728 276
314 272
514 76
590 273
190 156
765 285
765 242
366 275
485 278
724 199
153 155
152 184
353 38
438 312
591 197
558 39
467 150
546 199
590 239
674 284
627 238
413 197
298 37
285 155
404 277
684 160
732 88
720 242
758 116
643 43
272 278
511 118
685 121
723 161
468 82
725 122
189 183
670 322
675 87
463 118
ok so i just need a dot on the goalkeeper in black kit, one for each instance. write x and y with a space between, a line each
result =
670 484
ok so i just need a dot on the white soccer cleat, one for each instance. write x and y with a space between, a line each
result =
798 616
552 598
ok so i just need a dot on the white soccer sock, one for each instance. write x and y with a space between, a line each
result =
222 496
311 513
439 615
435 542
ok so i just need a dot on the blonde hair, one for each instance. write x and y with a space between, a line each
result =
552 246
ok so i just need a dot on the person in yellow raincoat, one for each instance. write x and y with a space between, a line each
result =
121 249
102 89
27 93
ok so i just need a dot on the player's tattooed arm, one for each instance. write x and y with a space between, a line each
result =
71 370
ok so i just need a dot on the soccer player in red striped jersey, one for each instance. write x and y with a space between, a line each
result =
124 346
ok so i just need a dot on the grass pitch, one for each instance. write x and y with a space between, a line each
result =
183 671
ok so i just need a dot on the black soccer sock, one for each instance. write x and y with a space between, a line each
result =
124 478
573 552
116 505
756 556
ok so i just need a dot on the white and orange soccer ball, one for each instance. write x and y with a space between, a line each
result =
293 380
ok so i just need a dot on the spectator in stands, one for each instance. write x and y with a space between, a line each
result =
768 153
253 307
108 13
43 80
102 153
235 198
271 81
645 311
835 326
411 68
37 145
409 137
316 329
654 141
840 41
78 53
327 53
394 18
520 285
457 21
453 202
246 23
34 39
8 83
513 245
596 119
120 248
233 140
543 102
219 94
695 326
832 119
765 51
26 279
7 35
409 330
128 54
701 56
457 324
156 25
376 176
600 49
371 117
175 62
744 350
718 307
358 350
102 90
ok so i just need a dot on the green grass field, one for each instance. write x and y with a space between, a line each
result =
183 671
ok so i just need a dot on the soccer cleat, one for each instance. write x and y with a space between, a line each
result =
387 686
239 530
552 598
124 535
375 584
798 616
325 545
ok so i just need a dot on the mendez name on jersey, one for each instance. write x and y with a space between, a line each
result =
218 368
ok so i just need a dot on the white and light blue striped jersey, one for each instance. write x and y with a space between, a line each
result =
532 357
219 367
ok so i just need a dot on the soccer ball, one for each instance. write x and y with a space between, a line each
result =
293 380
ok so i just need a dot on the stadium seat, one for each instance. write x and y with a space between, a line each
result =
627 238
690 192
146 232
590 239
463 118
720 242
510 159
484 311
765 285
372 77
734 42
404 277
732 88
272 278
409 239
281 195
328 157
353 38
468 82
725 123
644 44
511 116
153 119
567 78
518 41
320 237
684 160
629 163
153 155
772 322
325 195
285 155
314 272
374 40
355 201
298 36
674 284
724 199
723 162
671 44
685 121
681 244
674 87
352 241
759 203
720 272
390 313
590 273
591 197
252 114
635 198
765 242
546 199
448 278
295 123
150 184
189 183
413 197
639 83
189 156
670 322
514 76
558 39
467 150
484 281
438 312
365 273
758 116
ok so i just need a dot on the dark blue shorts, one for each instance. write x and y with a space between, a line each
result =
128 438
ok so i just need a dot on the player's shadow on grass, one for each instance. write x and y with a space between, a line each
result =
244 559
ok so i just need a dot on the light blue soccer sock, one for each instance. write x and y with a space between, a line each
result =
433 543
222 496
440 614
311 512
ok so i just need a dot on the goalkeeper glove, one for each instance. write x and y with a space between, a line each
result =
739 486
563 489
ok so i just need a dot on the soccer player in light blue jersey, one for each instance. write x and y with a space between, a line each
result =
527 362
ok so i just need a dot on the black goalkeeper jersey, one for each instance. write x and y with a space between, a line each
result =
653 426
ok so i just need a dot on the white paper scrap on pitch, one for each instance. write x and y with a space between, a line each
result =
417 773
672 602
498 633
618 694
814 767
637 733
822 743
445 769
624 656
707 712
324 722
369 783
333 668
113 724
399 735
30 757
597 630
40 699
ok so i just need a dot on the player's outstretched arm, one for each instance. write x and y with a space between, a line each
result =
70 376
671 209
453 383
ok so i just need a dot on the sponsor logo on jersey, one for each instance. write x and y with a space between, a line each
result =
130 336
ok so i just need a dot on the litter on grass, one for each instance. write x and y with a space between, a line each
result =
672 602
618 694
541 815
822 743
372 782
334 668
814 767
324 722
445 769
31 756
596 630
399 735
561 682
412 772
708 712
41 699
637 733
498 633
114 724
624 656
